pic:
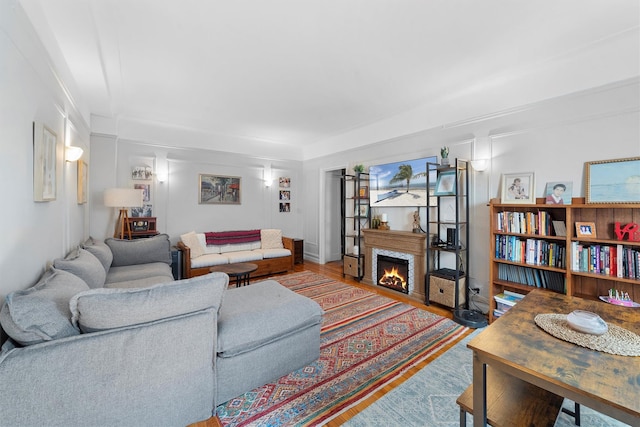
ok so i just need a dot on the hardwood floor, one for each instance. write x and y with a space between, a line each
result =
333 270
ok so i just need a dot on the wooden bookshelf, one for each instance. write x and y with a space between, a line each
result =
511 270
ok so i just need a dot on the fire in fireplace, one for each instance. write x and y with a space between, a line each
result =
393 273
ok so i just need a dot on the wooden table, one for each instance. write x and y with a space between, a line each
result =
514 344
239 270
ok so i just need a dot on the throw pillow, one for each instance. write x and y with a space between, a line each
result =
140 251
271 238
191 239
41 313
84 265
100 250
101 309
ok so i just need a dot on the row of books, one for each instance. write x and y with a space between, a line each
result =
530 251
610 260
532 277
539 223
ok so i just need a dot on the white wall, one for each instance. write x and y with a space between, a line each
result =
34 233
553 139
175 201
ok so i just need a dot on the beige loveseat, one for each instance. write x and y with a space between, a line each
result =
267 248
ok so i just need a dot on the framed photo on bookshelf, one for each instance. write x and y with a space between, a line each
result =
361 211
518 188
586 229
613 181
446 183
364 192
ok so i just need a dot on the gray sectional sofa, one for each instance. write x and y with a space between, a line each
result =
129 346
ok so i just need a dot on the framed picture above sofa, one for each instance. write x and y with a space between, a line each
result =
217 190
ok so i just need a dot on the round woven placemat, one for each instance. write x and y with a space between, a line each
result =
616 340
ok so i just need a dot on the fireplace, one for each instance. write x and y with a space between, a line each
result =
393 273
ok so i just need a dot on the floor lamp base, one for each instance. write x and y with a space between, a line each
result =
121 224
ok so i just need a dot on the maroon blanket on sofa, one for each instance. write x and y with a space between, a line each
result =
229 237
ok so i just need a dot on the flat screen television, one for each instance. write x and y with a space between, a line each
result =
401 183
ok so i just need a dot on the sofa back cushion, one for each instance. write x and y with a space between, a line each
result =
41 313
102 309
140 251
84 265
271 238
193 242
100 250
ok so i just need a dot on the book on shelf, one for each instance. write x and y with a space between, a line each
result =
559 228
609 260
530 251
538 223
534 277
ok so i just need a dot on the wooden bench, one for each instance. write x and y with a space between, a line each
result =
513 402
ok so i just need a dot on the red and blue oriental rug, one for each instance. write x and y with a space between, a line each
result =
367 342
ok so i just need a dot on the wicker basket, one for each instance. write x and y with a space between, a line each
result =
442 291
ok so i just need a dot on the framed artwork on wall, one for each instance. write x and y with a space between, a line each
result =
218 190
518 188
45 162
83 174
142 172
613 181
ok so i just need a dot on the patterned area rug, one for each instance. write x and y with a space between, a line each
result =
367 341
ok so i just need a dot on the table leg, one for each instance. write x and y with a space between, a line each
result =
479 392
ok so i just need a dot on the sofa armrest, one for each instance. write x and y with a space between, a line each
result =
287 242
186 259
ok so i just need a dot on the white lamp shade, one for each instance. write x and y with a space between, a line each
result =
480 164
123 198
73 153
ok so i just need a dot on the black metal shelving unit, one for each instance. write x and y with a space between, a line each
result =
356 216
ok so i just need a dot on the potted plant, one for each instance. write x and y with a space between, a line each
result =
444 152
358 168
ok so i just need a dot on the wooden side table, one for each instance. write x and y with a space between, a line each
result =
240 271
298 251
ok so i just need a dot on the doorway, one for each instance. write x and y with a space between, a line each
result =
331 235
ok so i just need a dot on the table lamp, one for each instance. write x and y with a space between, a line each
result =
123 198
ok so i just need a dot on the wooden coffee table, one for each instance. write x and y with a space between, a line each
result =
240 271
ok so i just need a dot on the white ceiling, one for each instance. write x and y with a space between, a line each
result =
300 71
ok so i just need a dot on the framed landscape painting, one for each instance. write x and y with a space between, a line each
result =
45 162
613 181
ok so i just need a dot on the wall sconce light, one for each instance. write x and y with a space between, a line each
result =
72 154
266 176
161 176
480 165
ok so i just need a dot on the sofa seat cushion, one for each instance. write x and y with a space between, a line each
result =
144 282
127 273
209 260
264 312
140 251
274 253
103 309
236 247
41 312
243 256
84 265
